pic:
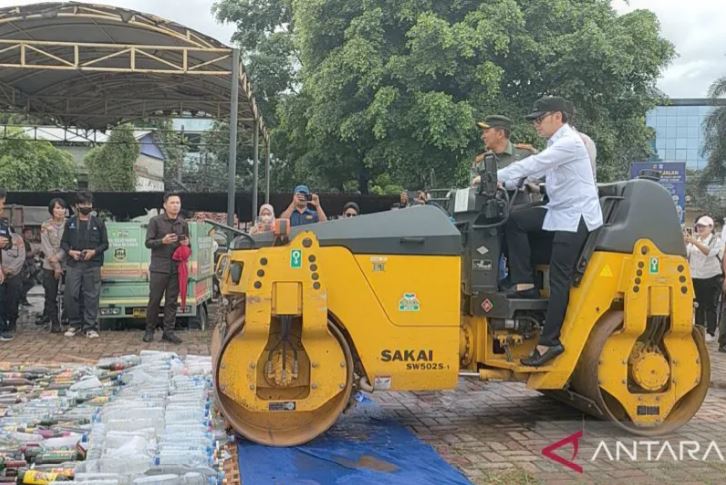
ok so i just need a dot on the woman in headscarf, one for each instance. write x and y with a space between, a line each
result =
264 220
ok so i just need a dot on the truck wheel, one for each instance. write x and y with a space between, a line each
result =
200 321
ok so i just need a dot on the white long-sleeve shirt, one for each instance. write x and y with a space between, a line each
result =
704 266
570 184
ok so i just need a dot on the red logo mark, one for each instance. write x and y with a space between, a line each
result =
487 305
575 440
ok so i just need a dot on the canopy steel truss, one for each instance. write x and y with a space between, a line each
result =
94 66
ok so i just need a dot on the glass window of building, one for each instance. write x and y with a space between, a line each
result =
678 131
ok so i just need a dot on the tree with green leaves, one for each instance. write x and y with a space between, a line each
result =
264 31
210 172
396 86
714 131
111 166
714 148
392 88
27 164
173 145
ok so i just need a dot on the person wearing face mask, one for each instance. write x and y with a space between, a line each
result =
265 219
705 253
84 241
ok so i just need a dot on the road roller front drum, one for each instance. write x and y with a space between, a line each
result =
285 372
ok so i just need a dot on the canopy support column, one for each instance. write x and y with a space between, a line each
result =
233 112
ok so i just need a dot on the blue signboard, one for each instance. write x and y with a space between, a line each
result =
672 177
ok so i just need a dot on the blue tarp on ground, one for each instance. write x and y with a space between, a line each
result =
364 447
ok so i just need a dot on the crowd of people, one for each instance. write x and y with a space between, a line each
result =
73 248
72 251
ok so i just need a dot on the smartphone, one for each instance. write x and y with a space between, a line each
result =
309 197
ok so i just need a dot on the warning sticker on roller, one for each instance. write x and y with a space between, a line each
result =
282 406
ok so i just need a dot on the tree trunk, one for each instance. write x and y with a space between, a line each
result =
363 180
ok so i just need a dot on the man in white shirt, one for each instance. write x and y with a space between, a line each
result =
572 213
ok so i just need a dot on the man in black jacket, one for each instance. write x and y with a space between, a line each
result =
84 241
165 233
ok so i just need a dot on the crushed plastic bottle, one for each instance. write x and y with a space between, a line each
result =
128 418
159 480
87 383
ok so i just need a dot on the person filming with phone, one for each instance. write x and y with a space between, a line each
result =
84 241
705 254
305 208
166 232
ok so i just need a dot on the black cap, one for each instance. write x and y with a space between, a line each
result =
495 121
549 104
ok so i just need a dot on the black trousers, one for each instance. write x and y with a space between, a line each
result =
164 285
28 278
82 294
11 293
707 291
50 285
563 255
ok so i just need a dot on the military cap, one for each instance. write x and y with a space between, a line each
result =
495 121
549 104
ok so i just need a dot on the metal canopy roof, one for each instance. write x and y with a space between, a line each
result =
94 66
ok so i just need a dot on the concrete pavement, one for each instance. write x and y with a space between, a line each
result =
493 432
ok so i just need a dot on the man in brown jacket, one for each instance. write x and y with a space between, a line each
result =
165 233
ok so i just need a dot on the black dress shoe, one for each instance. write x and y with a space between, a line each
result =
148 337
56 328
536 359
171 337
530 294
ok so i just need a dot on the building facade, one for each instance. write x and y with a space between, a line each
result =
679 131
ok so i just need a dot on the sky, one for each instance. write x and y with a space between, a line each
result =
695 27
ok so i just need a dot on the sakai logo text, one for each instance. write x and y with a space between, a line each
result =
407 355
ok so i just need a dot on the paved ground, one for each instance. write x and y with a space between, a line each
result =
493 432
35 344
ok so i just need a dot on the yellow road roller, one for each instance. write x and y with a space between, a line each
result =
408 300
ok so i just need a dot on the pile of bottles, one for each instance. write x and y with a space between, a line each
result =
136 419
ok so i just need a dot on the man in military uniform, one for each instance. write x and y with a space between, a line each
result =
495 133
